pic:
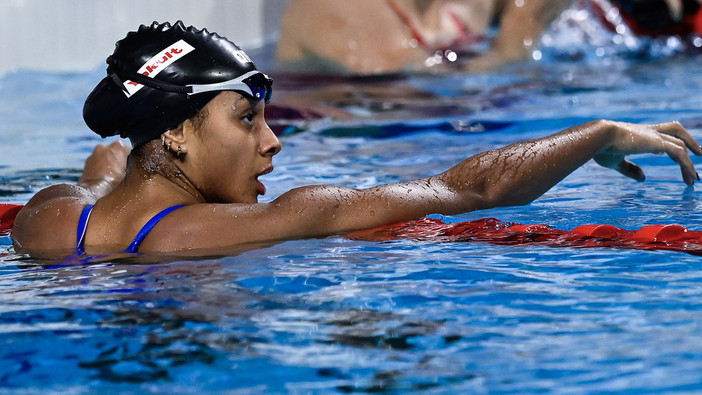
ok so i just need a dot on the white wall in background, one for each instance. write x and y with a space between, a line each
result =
75 35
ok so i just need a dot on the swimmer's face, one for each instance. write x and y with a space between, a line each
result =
233 147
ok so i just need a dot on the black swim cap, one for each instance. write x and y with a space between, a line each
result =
161 75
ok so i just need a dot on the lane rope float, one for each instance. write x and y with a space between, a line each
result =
494 231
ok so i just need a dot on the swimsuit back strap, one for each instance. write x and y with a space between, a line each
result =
407 21
147 228
82 227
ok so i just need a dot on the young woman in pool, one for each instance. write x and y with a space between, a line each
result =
192 104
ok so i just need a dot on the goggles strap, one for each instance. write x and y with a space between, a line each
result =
146 81
119 76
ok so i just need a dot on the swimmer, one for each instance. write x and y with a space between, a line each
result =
192 104
386 36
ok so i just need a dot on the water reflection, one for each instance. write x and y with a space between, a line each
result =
25 183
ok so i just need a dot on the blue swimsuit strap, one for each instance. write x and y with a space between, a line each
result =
82 226
147 228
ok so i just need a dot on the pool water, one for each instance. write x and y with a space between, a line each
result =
338 315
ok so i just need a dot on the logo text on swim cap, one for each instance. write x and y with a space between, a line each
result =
157 63
242 57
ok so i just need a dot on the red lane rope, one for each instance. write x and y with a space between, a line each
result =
490 230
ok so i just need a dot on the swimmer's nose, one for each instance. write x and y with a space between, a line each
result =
270 145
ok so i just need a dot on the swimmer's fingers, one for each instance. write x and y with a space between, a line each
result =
676 148
675 129
120 147
631 170
620 164
668 138
112 156
105 167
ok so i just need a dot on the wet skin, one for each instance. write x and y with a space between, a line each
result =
225 156
221 158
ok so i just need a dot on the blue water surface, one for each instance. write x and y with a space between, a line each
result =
335 315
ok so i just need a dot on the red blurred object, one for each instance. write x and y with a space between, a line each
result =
8 212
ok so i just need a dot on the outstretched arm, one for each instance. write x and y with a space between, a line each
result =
519 173
513 175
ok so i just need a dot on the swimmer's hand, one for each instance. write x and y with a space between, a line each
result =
105 168
669 138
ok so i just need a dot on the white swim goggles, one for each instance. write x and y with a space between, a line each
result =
254 83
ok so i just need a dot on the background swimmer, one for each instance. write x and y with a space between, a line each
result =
201 141
370 36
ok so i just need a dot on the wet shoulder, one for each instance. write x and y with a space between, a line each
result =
207 226
49 221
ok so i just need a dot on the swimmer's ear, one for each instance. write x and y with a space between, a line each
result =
174 140
179 134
